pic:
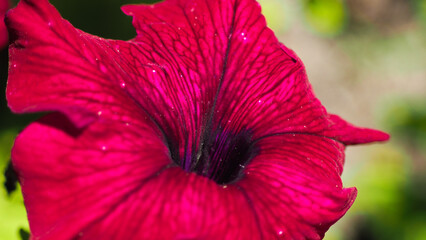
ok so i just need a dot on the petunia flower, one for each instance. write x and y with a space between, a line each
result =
4 6
203 126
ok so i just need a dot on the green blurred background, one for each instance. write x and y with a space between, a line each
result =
366 60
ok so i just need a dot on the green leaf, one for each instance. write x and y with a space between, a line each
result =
326 17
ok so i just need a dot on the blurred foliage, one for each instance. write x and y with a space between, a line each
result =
391 199
327 17
420 6
24 234
392 195
277 13
394 198
13 216
406 119
392 182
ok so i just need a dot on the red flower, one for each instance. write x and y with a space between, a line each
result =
4 6
202 127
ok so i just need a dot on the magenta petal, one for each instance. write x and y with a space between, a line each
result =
4 39
261 84
295 188
349 134
54 66
178 205
84 173
237 58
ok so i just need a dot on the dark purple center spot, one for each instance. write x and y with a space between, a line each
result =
222 156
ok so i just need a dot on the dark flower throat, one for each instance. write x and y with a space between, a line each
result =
222 156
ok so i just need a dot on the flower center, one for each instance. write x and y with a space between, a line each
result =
222 156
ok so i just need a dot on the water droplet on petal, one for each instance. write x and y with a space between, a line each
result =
153 71
123 85
280 232
103 148
117 48
99 113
